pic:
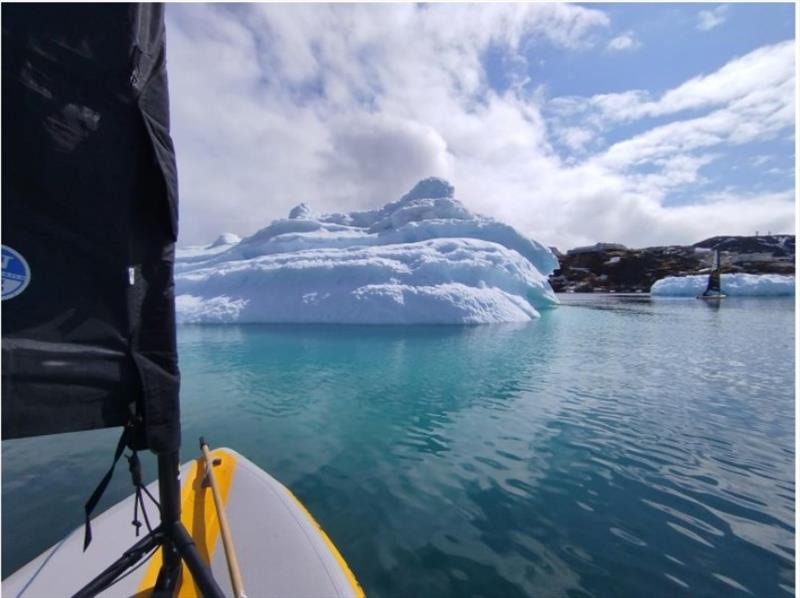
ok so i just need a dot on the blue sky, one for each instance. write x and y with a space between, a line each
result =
672 49
636 123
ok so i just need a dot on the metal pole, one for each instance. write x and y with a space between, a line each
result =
175 541
169 497
201 573
179 544
131 556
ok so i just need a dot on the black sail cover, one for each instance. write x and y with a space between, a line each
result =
89 207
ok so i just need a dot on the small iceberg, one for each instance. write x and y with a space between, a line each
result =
423 259
733 285
199 253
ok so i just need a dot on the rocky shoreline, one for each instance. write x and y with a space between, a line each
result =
614 268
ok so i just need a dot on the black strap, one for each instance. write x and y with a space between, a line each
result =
135 467
101 488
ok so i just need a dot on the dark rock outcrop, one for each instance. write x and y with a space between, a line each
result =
613 268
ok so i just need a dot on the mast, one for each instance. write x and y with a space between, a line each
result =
714 278
89 225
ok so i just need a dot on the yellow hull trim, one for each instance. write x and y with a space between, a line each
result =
331 546
199 516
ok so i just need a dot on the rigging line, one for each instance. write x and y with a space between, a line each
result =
134 568
155 502
144 513
135 468
136 523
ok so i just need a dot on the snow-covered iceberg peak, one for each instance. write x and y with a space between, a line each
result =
300 212
430 199
424 258
430 188
225 239
201 253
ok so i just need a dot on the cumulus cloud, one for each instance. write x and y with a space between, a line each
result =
343 106
346 106
370 153
575 138
624 41
769 69
709 19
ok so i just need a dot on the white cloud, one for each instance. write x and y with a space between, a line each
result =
343 106
769 67
371 153
575 138
624 41
709 19
346 106
757 116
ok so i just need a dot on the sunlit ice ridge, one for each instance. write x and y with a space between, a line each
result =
423 259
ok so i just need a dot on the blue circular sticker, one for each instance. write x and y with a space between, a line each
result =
16 273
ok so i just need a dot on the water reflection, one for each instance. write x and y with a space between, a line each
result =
603 449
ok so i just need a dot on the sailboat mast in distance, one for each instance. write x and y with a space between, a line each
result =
714 288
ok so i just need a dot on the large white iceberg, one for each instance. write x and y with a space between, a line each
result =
424 259
742 285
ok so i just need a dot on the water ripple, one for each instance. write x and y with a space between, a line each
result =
603 450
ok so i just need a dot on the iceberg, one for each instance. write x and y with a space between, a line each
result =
423 259
199 253
733 285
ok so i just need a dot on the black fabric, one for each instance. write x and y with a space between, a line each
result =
89 195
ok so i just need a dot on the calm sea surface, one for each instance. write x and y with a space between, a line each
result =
615 447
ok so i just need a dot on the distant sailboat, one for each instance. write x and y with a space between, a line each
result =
714 289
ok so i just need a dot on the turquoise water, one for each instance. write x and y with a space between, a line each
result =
615 447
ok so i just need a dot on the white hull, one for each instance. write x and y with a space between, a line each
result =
281 550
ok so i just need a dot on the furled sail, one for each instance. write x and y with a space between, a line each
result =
89 207
714 280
